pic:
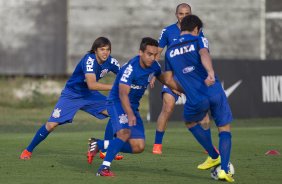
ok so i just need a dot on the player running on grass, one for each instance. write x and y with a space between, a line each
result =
168 36
81 92
189 60
123 103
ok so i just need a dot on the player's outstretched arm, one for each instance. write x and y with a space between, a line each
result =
207 63
94 85
123 95
167 79
160 50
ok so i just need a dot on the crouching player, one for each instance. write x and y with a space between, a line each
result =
123 102
81 92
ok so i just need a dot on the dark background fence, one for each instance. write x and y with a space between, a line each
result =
253 87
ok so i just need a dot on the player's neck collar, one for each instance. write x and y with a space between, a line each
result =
177 25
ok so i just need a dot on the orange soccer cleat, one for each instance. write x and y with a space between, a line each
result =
117 157
157 149
26 155
105 172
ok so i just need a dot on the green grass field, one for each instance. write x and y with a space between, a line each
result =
61 157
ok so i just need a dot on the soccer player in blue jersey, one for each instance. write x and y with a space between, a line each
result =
123 103
81 92
189 60
168 36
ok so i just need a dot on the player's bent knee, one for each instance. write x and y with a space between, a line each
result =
50 126
205 120
190 124
137 145
138 149
141 148
123 134
225 128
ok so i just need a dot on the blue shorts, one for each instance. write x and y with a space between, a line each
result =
169 91
218 105
68 105
119 120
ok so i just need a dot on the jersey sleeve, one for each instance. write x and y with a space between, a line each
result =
201 34
158 69
88 64
115 65
163 39
127 75
167 64
203 43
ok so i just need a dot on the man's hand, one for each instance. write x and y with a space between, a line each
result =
152 82
176 92
207 63
131 119
210 80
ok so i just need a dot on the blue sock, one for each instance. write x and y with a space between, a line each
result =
114 147
208 132
159 137
204 138
225 149
40 135
109 135
126 148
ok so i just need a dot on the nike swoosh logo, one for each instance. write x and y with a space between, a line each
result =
232 88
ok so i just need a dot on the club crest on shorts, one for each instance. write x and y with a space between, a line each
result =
123 119
56 113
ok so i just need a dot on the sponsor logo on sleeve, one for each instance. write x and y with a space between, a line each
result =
127 72
115 62
89 64
162 34
205 42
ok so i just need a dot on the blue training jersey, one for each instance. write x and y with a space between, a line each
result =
138 78
183 58
170 34
89 64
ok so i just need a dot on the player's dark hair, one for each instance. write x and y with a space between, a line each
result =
182 5
190 22
100 42
148 41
